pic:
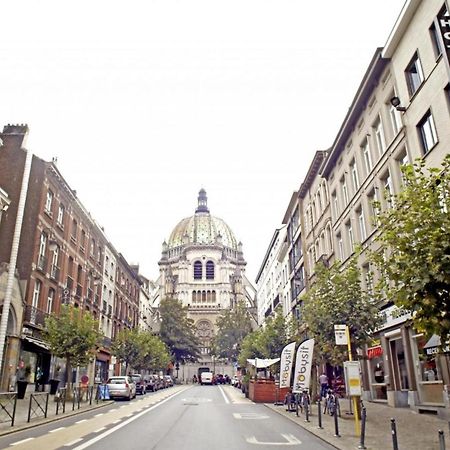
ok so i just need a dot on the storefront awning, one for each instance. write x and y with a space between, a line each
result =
260 363
433 344
37 342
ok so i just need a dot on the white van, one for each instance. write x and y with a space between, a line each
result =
206 378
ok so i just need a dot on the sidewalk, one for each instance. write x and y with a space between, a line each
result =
414 431
37 414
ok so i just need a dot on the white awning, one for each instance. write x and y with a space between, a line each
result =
260 363
37 342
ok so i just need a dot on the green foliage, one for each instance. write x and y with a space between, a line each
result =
177 331
414 254
140 350
72 335
267 342
337 298
233 325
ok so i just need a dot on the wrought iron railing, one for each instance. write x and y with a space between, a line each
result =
34 315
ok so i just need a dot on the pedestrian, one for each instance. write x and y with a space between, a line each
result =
194 379
323 380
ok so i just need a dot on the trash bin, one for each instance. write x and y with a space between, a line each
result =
53 386
21 388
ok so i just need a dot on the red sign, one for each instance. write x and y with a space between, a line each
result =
84 379
374 352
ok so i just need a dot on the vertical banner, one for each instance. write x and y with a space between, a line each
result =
443 18
303 364
286 363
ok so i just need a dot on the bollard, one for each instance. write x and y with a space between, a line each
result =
363 428
441 440
336 425
319 415
394 435
306 406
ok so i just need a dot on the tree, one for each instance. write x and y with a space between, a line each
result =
337 297
140 350
414 253
177 331
233 325
72 335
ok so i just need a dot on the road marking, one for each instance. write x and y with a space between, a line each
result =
224 396
98 415
117 421
100 429
69 444
22 441
81 421
290 438
57 429
112 410
126 422
250 416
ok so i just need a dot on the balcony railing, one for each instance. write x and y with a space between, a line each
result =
79 291
35 316
69 283
42 262
54 272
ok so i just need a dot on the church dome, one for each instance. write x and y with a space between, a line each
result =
202 228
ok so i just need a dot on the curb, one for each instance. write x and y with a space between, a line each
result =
54 418
292 419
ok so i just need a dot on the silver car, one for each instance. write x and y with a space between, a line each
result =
121 387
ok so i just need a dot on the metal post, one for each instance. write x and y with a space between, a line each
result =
319 415
363 428
441 440
29 408
46 405
336 424
306 406
394 435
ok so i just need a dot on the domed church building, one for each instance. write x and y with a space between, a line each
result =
203 266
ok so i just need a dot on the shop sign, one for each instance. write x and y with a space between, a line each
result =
444 27
375 352
393 315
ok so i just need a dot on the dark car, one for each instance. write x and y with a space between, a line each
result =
139 382
151 383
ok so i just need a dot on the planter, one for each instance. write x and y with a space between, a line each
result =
21 388
266 391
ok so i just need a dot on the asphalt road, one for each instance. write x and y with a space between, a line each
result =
197 418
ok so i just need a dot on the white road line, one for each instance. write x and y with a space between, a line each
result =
81 421
117 421
22 441
112 430
224 396
69 444
112 410
57 429
100 429
98 415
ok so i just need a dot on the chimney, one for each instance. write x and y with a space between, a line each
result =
14 135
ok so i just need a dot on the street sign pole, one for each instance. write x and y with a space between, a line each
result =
355 404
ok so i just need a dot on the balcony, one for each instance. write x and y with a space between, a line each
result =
42 263
69 283
106 342
54 272
79 291
35 316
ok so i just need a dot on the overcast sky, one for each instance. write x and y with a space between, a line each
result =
143 103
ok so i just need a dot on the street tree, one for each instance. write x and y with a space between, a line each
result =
414 253
177 331
232 327
72 335
337 298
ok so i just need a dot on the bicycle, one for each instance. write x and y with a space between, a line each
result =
332 404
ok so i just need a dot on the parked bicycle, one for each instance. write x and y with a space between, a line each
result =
331 405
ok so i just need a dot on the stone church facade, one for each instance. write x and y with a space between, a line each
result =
203 266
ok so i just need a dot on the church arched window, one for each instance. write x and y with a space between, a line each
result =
210 270
194 296
214 296
198 270
208 296
203 296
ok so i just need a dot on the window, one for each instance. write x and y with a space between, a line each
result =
437 47
354 173
50 300
427 132
60 218
92 247
388 188
365 149
49 201
379 135
74 230
210 270
344 190
362 225
83 240
351 240
335 204
36 294
414 75
340 247
198 270
54 270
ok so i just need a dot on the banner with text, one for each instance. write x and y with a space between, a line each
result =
303 364
287 361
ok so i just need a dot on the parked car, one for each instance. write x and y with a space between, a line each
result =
151 383
139 382
168 380
121 387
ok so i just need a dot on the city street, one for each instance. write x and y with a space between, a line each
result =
196 417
